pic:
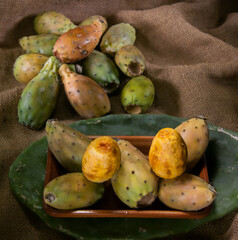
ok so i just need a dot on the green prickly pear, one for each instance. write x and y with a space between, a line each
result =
101 69
78 43
42 43
91 19
134 183
52 22
187 192
116 37
72 191
138 95
196 136
27 66
38 99
130 60
67 144
84 94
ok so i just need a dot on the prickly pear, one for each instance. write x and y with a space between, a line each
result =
186 192
78 43
67 144
39 97
91 19
101 160
196 136
101 69
137 95
130 60
168 153
27 66
72 191
84 94
116 37
134 183
42 43
52 22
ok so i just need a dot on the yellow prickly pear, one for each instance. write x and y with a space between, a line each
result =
72 191
27 66
52 22
101 160
196 136
186 192
130 60
168 153
84 94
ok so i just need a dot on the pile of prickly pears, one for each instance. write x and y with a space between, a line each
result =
89 59
137 180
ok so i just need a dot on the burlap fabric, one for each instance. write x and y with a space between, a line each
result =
191 56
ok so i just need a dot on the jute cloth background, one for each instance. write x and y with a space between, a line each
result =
191 56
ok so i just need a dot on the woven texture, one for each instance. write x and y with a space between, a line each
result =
191 56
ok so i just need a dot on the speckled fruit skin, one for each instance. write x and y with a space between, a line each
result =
72 191
130 60
137 95
134 183
27 66
101 159
52 22
186 192
67 144
78 43
39 97
196 136
87 97
168 154
42 43
116 37
91 19
99 67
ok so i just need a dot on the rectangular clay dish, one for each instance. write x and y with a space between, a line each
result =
110 205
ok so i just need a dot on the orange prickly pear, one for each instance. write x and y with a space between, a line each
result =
78 43
196 136
187 192
84 94
168 153
101 160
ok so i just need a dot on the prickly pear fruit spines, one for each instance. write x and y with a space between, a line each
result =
42 43
72 191
27 66
91 19
52 22
39 97
101 160
168 154
196 136
116 37
78 43
84 94
137 95
186 192
101 69
130 60
67 144
134 183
